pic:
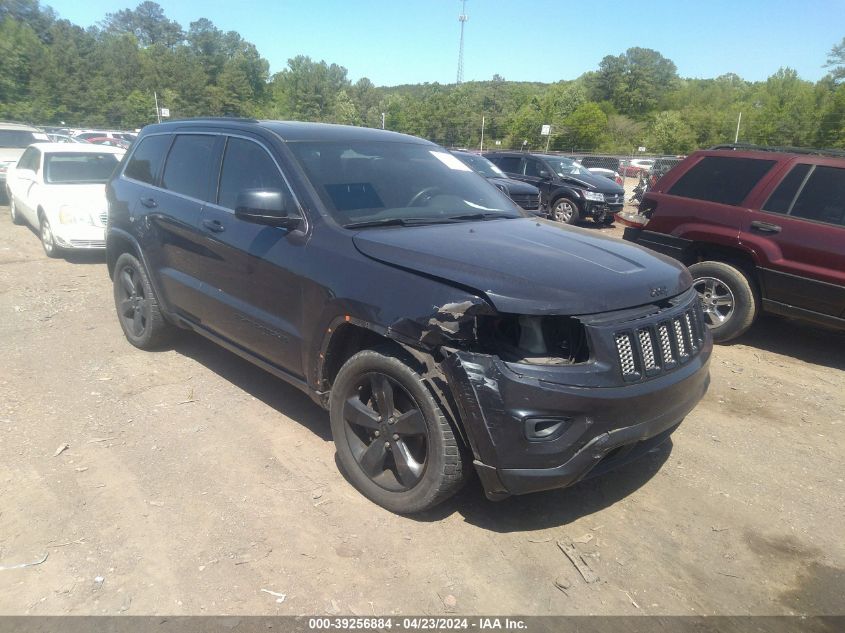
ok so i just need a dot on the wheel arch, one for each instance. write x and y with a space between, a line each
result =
737 257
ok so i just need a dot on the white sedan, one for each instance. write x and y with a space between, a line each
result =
60 189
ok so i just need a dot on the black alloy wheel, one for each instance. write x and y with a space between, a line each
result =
133 305
386 432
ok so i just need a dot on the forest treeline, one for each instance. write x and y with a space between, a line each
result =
52 71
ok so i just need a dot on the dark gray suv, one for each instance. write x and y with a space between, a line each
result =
441 327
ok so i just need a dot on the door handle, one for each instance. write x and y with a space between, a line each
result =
214 226
765 227
150 203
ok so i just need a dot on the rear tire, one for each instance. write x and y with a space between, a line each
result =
728 298
137 306
392 439
13 211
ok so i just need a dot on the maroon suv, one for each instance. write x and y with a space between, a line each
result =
758 228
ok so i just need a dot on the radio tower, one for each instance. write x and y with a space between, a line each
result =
462 18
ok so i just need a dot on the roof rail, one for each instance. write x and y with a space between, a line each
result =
214 118
784 150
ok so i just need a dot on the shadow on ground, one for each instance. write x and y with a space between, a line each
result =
524 513
797 339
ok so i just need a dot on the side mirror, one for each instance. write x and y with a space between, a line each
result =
544 174
266 206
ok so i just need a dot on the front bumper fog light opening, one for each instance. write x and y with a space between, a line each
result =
545 429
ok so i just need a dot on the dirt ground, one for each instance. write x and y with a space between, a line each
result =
193 481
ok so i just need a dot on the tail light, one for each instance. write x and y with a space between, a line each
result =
619 180
639 218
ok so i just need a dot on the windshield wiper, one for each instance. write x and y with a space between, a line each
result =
396 222
487 215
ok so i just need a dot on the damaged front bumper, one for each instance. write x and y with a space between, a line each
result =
535 428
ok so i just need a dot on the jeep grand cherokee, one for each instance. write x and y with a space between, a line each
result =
411 298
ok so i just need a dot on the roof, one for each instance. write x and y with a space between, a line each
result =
5 125
78 148
293 131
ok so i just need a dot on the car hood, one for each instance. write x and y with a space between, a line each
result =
593 182
515 186
529 266
90 197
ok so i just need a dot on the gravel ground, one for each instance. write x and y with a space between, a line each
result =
188 482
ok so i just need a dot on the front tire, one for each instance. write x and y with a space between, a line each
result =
727 296
137 306
392 439
48 242
565 210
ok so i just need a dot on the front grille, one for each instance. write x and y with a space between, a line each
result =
656 348
88 243
614 199
528 202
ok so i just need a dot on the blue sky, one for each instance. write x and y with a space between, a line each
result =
416 41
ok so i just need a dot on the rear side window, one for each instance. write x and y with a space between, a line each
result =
18 138
823 197
721 179
147 158
781 199
189 165
508 164
246 165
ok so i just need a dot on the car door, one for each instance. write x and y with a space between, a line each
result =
537 173
23 182
799 235
167 217
249 269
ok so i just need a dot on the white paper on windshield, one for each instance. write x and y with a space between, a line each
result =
40 137
450 161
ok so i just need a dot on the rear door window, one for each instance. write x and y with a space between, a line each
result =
146 160
781 199
823 197
189 165
722 179
508 164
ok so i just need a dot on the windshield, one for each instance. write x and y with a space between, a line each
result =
78 168
566 166
481 165
390 182
19 138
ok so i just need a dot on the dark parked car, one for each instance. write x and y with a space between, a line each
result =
759 229
438 325
567 189
525 195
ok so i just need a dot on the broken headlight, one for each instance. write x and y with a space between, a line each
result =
539 340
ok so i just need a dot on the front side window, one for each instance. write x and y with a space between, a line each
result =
823 196
19 138
189 165
146 160
78 168
246 165
533 167
393 182
722 179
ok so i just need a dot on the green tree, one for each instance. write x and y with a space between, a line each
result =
836 61
669 134
635 82
584 129
147 22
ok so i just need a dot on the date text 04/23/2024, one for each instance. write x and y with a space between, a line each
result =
417 624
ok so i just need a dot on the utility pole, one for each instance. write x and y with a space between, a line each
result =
736 136
462 18
481 149
158 112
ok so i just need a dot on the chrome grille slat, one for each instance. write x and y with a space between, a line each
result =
653 348
647 349
626 354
